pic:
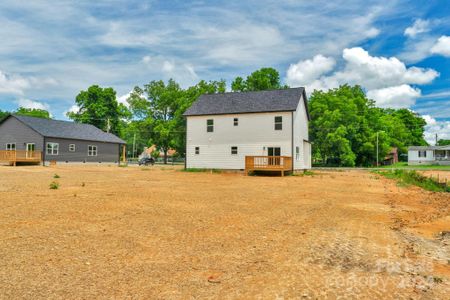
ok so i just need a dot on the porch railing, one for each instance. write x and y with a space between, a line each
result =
14 156
268 163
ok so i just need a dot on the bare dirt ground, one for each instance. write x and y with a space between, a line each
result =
158 233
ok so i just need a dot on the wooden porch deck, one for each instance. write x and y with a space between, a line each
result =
268 163
14 156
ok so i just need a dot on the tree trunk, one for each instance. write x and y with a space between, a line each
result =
165 156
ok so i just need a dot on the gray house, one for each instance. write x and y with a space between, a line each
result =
46 140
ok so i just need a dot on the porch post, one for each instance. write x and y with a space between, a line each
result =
124 153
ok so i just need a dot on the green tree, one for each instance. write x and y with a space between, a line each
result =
159 108
98 106
443 142
3 114
346 128
33 112
262 79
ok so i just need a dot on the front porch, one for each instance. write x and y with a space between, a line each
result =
442 157
268 163
19 156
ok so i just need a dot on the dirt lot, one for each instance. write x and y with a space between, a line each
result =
131 233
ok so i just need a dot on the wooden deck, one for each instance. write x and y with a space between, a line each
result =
14 156
268 163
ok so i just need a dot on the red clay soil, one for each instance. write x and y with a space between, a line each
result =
158 233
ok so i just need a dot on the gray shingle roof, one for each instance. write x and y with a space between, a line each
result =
429 148
247 102
68 130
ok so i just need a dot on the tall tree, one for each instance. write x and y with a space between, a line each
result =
33 112
98 106
159 108
443 142
346 127
262 79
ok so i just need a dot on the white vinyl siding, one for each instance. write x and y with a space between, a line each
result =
52 148
256 133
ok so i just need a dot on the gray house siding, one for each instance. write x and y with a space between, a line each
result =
106 152
14 131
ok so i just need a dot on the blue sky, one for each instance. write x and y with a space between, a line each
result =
399 51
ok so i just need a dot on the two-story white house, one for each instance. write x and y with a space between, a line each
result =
264 130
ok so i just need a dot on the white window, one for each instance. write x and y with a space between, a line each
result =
52 148
234 150
71 147
278 123
235 121
297 153
92 150
422 153
197 150
11 146
210 125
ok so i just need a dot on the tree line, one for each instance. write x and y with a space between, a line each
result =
345 126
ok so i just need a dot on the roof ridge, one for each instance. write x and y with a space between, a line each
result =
248 92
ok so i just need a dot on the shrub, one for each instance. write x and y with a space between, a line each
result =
54 185
56 176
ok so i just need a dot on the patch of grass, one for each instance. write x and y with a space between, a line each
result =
54 185
56 176
123 165
200 170
404 165
410 177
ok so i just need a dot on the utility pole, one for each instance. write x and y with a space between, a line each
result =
436 140
377 149
134 143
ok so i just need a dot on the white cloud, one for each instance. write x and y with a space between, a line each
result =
306 71
27 103
394 97
123 99
387 80
168 67
146 59
419 26
442 46
13 84
433 127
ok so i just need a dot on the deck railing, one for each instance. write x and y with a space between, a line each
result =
268 163
13 156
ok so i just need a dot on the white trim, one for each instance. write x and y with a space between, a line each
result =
52 148
237 150
72 148
91 151
8 145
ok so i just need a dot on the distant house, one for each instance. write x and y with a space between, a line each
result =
391 158
148 151
427 155
264 130
28 138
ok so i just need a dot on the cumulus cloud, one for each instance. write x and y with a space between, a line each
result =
13 84
123 99
27 103
306 71
433 127
395 96
387 80
419 26
442 46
